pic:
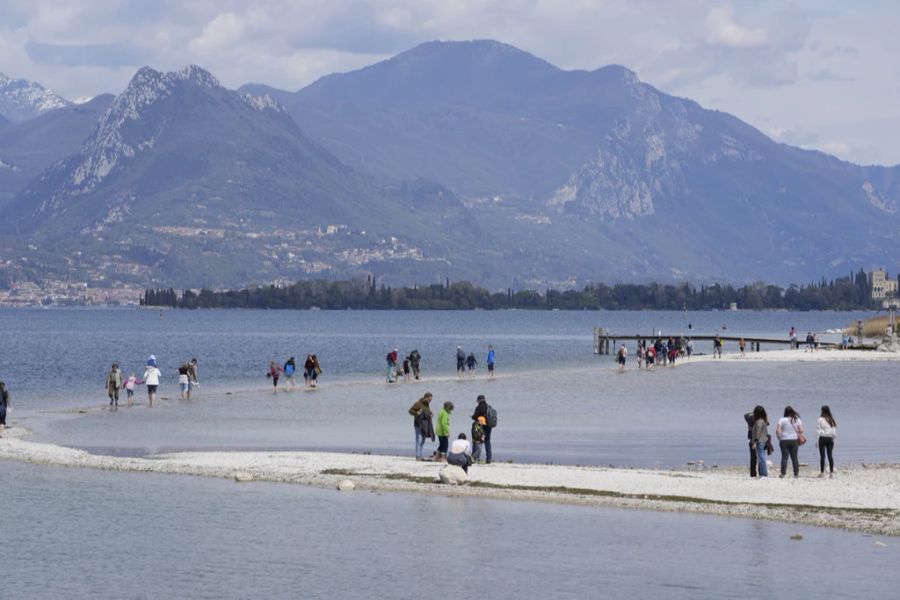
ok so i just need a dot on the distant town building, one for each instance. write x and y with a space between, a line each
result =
883 287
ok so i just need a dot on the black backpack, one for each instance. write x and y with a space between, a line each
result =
491 416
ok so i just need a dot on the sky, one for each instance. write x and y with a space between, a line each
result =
813 74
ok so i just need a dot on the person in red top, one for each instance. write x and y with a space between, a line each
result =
392 365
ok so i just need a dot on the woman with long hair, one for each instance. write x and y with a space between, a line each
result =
826 431
790 435
759 440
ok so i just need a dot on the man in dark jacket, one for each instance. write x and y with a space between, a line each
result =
415 360
481 410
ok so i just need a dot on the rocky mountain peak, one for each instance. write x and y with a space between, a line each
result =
21 99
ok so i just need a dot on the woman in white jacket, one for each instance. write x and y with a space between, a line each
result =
826 430
151 378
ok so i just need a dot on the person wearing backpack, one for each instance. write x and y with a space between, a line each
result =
483 409
113 383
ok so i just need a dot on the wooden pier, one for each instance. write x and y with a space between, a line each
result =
607 343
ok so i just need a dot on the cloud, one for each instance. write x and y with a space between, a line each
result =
724 31
840 51
828 75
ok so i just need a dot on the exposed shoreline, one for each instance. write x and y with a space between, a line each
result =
862 499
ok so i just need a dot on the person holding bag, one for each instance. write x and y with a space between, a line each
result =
790 437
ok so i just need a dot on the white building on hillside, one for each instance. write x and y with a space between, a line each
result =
883 287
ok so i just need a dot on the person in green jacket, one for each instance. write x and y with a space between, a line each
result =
443 431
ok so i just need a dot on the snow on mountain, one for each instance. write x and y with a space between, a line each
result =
21 99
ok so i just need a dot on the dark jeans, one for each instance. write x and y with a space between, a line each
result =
460 460
790 447
443 444
826 444
752 460
487 444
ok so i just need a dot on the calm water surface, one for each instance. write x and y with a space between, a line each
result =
557 402
85 534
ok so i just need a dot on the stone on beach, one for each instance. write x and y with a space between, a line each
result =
453 475
345 485
243 477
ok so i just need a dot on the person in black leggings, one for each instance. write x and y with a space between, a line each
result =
826 429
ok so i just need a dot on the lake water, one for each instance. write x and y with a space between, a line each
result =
556 401
71 533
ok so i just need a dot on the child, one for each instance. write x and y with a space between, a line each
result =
274 373
129 387
478 438
406 369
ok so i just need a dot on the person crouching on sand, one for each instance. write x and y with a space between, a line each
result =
459 454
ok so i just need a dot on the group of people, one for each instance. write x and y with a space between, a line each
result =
410 368
660 352
465 363
311 371
462 452
188 379
791 435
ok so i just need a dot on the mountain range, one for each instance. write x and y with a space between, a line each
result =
471 160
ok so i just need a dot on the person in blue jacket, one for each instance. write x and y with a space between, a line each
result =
490 360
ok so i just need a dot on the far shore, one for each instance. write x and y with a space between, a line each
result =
864 498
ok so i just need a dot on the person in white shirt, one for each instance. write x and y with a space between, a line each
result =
790 435
826 431
151 378
460 453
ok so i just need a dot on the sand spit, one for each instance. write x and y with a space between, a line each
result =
858 499
823 355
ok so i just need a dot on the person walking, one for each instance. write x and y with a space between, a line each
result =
460 362
717 347
151 378
483 409
316 371
290 371
309 372
491 356
421 414
391 359
415 361
860 331
194 375
113 384
443 431
793 335
274 373
4 405
790 437
470 364
129 387
184 381
742 345
406 368
826 432
460 453
749 418
621 356
759 442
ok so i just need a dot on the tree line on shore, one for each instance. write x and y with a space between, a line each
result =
845 293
